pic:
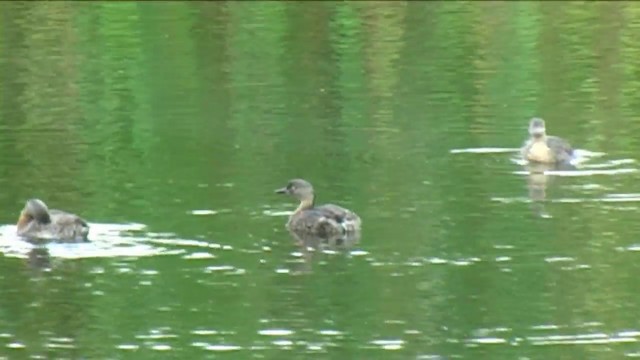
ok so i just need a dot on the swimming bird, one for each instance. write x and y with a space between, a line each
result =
37 221
542 148
327 221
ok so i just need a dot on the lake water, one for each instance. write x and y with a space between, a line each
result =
168 125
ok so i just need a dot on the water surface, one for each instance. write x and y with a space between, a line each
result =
169 125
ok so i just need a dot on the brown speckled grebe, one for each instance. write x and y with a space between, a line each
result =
325 220
541 148
39 222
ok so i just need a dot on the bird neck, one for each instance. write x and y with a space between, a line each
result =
539 137
23 221
306 203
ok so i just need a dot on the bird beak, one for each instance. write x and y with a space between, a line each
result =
282 191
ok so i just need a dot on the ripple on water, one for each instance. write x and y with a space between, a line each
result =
225 268
155 334
161 347
277 212
283 343
222 347
393 344
198 256
488 340
330 332
581 156
275 332
635 247
189 243
545 327
555 259
127 347
487 150
203 212
487 336
611 198
582 339
358 253
205 332
582 172
106 240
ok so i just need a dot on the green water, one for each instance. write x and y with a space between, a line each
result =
168 125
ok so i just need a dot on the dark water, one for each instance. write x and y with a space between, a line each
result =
169 125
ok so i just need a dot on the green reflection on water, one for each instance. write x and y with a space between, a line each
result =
145 112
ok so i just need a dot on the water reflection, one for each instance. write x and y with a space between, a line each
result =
39 258
310 244
538 179
51 304
333 241
537 184
151 112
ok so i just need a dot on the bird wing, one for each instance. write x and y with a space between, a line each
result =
560 146
65 218
335 212
347 218
69 224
